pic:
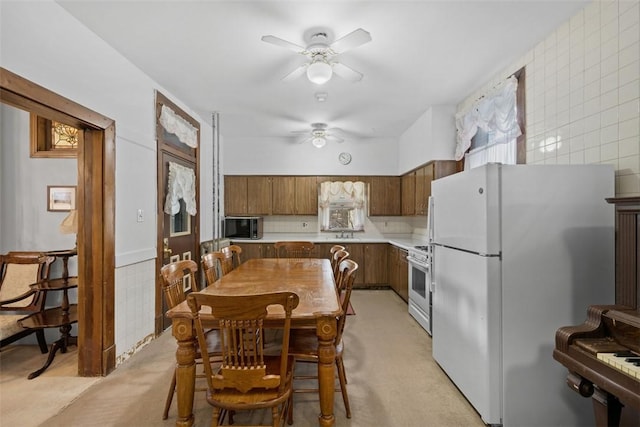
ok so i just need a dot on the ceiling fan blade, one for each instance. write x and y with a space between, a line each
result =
353 39
301 139
333 138
346 73
283 43
295 73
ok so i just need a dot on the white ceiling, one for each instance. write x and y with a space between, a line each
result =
209 55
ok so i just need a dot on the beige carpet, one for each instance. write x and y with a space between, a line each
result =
393 381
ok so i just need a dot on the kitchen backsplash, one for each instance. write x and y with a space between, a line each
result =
374 225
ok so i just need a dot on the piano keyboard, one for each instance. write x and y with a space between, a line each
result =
625 361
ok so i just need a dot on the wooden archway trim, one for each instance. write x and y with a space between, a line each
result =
96 225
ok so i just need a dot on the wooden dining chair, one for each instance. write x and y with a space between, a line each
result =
336 259
293 249
228 258
333 250
303 344
247 379
210 267
18 270
173 281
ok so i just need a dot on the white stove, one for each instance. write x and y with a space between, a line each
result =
419 258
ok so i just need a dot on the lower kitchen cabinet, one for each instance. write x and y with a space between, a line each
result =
399 271
375 264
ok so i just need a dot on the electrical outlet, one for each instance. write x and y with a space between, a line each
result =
305 224
140 215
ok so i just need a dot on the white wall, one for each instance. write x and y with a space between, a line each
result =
583 92
37 41
431 137
282 156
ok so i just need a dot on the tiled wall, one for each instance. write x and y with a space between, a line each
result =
583 92
135 307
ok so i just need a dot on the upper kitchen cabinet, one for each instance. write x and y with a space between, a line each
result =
247 195
384 195
235 195
423 178
409 194
259 195
294 195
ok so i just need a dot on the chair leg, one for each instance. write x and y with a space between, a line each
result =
215 420
290 410
42 342
172 390
343 385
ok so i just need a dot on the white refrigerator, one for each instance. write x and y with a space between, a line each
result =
519 251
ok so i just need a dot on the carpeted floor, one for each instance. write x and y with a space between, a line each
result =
392 381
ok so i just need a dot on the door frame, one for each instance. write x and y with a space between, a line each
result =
96 219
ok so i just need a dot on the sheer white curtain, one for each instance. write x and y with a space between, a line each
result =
496 114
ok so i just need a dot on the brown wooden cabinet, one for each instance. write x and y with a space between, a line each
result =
375 264
235 195
384 196
255 250
399 271
424 176
259 195
294 195
408 184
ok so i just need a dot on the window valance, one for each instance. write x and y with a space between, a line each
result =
181 185
178 126
495 112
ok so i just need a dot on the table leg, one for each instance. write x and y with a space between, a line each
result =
65 340
185 370
326 330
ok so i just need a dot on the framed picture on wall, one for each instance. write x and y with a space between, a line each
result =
61 198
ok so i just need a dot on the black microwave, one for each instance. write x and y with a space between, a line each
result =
243 227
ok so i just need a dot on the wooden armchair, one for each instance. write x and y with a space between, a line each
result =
173 276
293 249
18 270
303 344
247 378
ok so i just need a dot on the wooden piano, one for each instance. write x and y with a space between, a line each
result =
603 354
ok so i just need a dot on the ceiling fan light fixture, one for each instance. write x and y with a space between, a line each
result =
318 141
319 71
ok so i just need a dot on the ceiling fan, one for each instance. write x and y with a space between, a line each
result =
322 55
319 135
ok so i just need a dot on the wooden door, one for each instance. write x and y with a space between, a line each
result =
178 228
376 269
283 195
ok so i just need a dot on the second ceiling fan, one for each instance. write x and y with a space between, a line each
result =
322 54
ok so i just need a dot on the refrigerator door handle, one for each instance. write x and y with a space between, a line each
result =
498 255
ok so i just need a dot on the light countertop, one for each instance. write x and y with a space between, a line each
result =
404 241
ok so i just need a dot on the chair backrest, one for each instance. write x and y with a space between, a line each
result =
18 270
228 257
174 281
293 249
241 328
336 259
346 277
210 267
336 248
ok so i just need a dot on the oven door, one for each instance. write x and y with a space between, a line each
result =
420 294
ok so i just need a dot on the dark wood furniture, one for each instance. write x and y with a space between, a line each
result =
64 254
228 257
61 317
246 379
305 278
304 343
174 276
18 270
293 249
596 353
209 267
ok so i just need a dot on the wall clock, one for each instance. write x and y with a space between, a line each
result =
344 158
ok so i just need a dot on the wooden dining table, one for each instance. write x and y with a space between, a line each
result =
310 278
